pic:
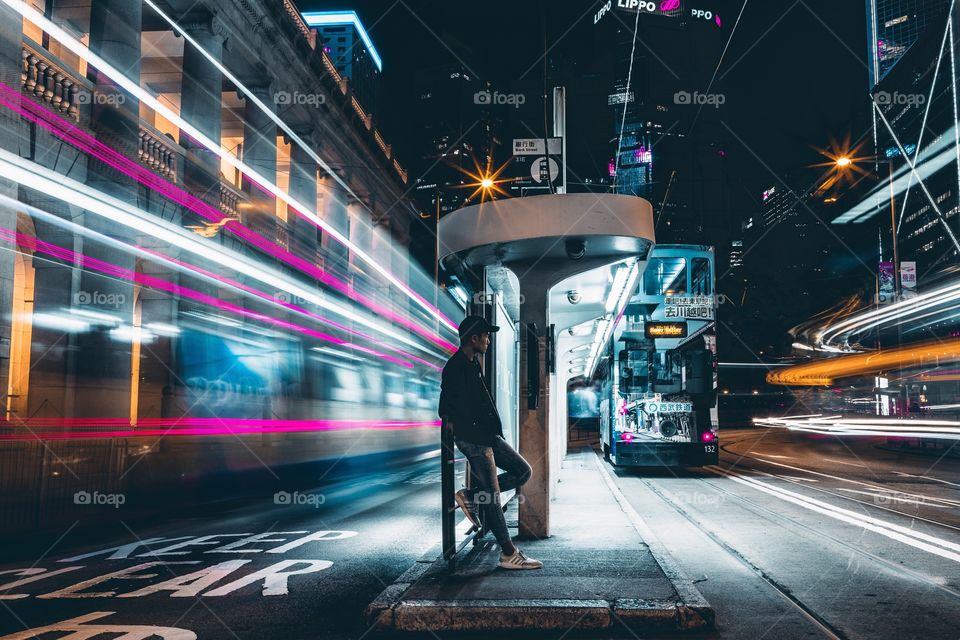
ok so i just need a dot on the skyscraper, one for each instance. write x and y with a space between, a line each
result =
349 46
893 26
665 106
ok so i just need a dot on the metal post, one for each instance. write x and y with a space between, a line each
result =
448 505
559 131
893 232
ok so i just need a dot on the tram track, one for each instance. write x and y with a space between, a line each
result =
806 611
876 487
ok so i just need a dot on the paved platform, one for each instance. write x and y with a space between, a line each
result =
603 569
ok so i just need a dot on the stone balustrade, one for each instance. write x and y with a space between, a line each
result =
48 80
158 153
230 198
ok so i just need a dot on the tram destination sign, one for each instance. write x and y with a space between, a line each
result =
665 330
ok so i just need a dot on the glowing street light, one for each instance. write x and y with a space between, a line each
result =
844 161
486 183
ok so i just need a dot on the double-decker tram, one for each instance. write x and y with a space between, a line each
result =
658 400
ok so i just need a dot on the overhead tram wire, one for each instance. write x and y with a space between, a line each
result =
623 120
719 62
546 128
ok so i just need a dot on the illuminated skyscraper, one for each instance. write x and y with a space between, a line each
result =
893 26
349 46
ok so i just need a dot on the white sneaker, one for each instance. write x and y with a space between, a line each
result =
466 507
519 561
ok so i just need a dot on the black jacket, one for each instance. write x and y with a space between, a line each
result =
465 401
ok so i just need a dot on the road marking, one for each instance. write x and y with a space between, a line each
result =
893 497
910 475
841 479
128 573
190 585
83 631
916 539
34 575
850 464
274 577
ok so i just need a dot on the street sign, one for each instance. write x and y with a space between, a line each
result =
534 169
534 146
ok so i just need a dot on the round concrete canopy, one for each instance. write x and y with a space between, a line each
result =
535 227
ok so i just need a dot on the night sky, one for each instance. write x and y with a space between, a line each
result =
794 77
794 74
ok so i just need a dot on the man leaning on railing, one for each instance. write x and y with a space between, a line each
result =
466 405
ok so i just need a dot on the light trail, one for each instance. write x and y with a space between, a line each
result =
861 322
79 49
94 148
160 427
177 265
837 425
34 176
163 285
824 372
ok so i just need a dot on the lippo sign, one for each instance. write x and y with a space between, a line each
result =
160 562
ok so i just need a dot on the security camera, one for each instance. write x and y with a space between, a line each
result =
576 248
574 297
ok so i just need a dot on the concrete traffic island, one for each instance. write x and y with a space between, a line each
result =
603 569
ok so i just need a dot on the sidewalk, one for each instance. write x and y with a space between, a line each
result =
603 569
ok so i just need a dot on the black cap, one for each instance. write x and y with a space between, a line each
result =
475 325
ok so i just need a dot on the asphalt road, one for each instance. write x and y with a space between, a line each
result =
800 536
341 546
790 536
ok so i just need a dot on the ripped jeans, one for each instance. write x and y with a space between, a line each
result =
486 485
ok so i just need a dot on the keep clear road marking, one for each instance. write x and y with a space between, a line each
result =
916 539
80 630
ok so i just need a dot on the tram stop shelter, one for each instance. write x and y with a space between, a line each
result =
555 272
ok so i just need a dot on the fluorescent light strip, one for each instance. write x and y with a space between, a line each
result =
323 18
59 186
151 101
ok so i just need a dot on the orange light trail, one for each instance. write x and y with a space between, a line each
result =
824 372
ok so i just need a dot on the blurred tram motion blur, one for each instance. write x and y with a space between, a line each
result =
192 288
